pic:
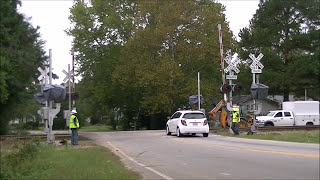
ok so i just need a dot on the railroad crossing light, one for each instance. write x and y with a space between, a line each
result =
74 96
236 88
225 88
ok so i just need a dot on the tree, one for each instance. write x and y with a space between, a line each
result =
141 58
21 53
100 30
172 42
287 33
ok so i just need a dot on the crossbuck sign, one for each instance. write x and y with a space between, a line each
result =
43 75
68 75
232 66
256 64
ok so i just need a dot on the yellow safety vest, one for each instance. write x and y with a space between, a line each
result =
71 123
235 116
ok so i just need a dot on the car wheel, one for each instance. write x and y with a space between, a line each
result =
193 134
178 132
269 124
309 124
205 134
168 131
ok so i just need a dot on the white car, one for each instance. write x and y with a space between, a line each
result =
187 122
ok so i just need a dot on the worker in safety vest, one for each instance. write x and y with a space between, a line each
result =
74 125
235 120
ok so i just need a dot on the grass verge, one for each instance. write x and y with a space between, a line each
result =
33 160
290 136
96 128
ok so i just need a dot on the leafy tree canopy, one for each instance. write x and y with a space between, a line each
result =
21 54
143 56
287 33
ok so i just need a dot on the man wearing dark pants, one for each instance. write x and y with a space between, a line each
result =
235 120
74 126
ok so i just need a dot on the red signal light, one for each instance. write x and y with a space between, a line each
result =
236 88
225 88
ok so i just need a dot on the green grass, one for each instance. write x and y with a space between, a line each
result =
96 128
68 162
290 136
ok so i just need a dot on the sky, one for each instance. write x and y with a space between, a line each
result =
52 18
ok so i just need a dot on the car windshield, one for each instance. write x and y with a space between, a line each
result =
271 113
193 116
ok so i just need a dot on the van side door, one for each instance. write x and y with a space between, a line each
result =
288 118
278 119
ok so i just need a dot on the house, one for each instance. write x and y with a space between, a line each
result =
271 102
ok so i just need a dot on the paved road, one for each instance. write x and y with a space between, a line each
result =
157 156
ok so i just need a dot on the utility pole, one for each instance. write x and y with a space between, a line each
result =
50 135
199 106
73 80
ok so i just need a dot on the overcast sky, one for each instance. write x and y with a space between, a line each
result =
52 17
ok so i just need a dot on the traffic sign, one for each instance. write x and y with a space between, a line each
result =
68 75
43 73
232 65
256 71
234 77
256 64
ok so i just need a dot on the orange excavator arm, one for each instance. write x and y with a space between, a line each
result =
223 115
216 109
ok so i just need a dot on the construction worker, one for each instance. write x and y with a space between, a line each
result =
235 120
74 125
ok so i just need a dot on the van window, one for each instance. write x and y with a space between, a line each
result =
279 114
287 114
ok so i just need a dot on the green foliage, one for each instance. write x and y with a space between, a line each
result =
141 58
37 161
21 54
290 136
22 153
96 128
293 136
287 33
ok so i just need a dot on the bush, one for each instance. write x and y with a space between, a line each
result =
10 163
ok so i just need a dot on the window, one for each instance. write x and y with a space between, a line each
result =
194 116
287 114
279 114
176 115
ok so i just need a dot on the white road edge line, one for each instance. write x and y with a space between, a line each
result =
226 174
140 164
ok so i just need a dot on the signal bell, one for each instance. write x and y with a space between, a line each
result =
236 88
225 88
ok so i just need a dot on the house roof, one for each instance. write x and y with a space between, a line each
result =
239 99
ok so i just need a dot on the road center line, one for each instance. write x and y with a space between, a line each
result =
140 164
248 149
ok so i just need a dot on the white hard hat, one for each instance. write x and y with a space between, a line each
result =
74 112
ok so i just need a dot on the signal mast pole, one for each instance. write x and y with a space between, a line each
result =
222 61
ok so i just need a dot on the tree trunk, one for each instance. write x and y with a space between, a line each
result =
286 94
153 122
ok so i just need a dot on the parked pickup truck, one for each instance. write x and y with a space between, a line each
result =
297 113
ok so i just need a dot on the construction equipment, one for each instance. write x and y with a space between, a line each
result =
245 120
223 115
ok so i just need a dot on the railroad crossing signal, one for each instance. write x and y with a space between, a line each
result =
256 64
43 73
232 65
68 75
